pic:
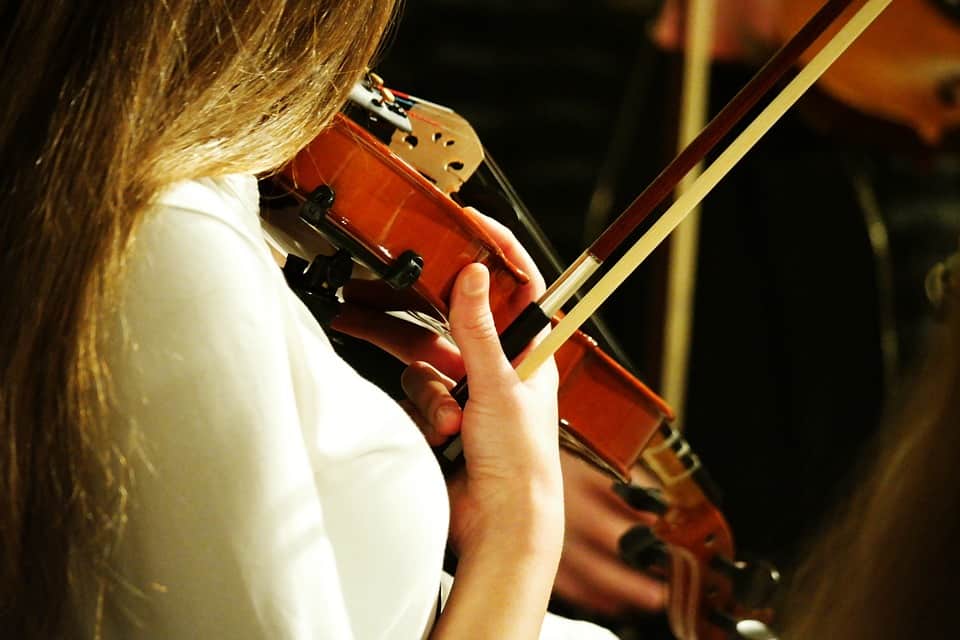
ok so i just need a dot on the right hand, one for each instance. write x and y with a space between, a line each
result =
507 505
511 490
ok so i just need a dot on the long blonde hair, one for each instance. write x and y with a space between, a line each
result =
103 104
886 567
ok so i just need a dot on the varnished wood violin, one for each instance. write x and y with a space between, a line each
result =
357 191
363 216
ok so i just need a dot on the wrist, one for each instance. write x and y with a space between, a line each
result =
526 521
501 589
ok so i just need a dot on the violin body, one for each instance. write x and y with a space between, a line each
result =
905 68
383 205
360 195
597 392
608 416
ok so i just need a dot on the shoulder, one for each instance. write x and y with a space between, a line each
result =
201 224
224 489
232 199
199 257
202 302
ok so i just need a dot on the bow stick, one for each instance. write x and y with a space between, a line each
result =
702 186
538 314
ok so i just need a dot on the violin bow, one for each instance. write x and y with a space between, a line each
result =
537 315
700 20
669 220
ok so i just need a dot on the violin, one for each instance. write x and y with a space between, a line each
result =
709 591
905 69
380 185
309 178
418 239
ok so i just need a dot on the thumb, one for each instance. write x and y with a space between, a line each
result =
474 331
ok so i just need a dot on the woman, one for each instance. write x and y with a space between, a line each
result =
184 456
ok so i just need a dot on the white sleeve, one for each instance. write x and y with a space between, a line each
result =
226 536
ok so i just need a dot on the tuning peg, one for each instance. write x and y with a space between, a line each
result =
641 549
754 583
642 498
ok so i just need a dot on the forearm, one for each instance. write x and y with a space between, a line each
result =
506 508
501 590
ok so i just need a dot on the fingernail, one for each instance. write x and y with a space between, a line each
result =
446 414
475 282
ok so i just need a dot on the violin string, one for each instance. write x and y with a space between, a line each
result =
621 140
437 326
703 185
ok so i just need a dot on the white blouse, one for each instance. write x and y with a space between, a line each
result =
278 494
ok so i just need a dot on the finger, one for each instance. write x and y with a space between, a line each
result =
403 340
589 489
605 584
607 523
429 391
422 423
472 326
525 294
512 248
643 477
